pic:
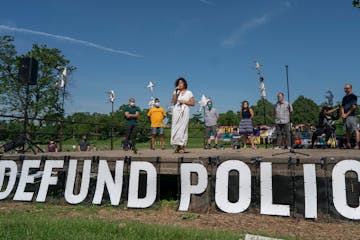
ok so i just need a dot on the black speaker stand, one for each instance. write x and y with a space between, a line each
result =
29 145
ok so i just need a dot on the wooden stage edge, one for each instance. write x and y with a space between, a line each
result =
168 160
314 155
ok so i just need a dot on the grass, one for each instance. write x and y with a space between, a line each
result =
195 141
56 222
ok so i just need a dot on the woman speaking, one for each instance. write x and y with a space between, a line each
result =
182 99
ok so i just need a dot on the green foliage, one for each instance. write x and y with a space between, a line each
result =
306 111
45 97
259 118
188 216
228 119
172 204
196 120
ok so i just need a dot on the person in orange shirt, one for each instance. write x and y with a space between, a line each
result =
156 115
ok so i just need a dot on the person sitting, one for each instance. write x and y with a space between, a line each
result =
52 147
84 145
324 126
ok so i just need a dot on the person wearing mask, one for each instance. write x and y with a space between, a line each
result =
84 145
52 147
131 112
211 117
156 115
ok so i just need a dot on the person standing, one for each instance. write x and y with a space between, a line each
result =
348 114
245 126
211 117
156 115
282 111
182 99
132 112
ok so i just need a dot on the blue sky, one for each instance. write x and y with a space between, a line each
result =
122 45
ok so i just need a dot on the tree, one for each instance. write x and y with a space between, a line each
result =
259 113
7 67
196 120
306 111
45 97
229 119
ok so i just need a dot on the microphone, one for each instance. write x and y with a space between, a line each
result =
177 90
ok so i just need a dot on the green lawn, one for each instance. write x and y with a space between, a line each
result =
72 222
196 140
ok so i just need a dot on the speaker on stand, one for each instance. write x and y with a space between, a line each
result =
28 73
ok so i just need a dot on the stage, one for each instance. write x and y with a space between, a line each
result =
168 160
303 179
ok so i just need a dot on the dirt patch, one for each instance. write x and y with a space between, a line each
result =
244 222
297 228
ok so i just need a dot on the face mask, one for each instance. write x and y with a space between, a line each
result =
132 104
157 104
210 106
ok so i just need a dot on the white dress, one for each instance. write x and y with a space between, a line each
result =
180 121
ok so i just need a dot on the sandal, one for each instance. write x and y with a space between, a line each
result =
177 149
181 150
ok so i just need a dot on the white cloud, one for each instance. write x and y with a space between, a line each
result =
69 39
236 36
286 4
207 2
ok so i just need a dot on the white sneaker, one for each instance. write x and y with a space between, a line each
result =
277 148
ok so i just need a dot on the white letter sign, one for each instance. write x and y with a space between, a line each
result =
222 186
186 188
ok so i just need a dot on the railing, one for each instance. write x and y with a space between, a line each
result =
66 133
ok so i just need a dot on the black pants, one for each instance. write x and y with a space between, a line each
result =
130 134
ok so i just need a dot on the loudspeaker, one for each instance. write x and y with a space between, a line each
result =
28 71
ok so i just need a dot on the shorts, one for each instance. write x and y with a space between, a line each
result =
157 130
210 130
350 124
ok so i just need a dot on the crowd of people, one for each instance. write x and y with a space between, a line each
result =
183 99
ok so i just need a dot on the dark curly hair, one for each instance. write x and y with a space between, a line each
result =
181 79
245 108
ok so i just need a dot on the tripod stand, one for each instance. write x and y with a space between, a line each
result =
289 109
27 145
22 142
27 74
